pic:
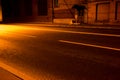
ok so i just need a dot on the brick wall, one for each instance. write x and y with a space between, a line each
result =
64 9
91 12
113 12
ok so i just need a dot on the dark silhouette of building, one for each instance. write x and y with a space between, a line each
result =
27 10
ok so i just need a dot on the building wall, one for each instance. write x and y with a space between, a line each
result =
64 9
27 10
0 12
112 11
64 13
98 11
42 18
91 13
104 11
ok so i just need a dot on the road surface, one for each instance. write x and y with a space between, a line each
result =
52 53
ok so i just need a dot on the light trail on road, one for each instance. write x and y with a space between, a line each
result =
15 28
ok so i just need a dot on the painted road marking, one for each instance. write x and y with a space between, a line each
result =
90 33
76 32
90 45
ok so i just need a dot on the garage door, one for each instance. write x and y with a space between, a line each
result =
103 12
118 11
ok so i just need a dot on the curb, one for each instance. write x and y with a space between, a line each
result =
73 25
14 72
6 75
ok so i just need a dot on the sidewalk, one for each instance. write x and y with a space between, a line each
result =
100 26
5 75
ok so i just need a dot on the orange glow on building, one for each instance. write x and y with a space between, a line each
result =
60 11
0 12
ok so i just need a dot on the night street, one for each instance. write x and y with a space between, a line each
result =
60 53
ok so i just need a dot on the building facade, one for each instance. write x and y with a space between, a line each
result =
60 11
63 11
26 10
103 11
97 12
0 12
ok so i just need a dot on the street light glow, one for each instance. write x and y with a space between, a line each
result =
18 31
12 30
6 28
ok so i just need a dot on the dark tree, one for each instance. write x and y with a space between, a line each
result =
80 8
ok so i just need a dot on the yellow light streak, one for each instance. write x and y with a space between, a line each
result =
7 28
13 30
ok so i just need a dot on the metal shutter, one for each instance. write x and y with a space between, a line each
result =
103 11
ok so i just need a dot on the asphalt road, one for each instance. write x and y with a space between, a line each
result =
53 53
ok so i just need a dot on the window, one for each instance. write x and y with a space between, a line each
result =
55 3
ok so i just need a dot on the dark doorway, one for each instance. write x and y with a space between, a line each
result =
15 8
42 7
7 8
10 10
28 7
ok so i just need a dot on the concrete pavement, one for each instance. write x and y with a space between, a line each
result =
5 75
